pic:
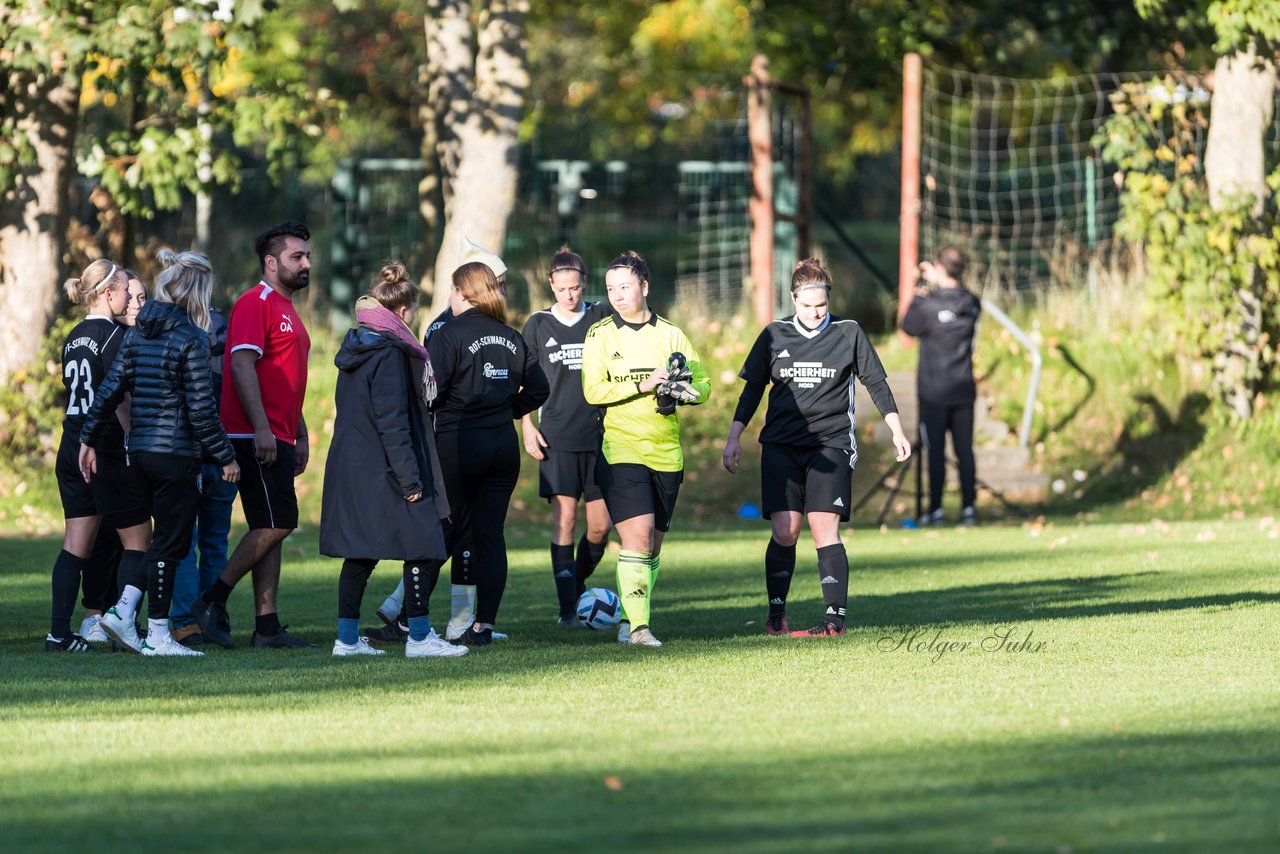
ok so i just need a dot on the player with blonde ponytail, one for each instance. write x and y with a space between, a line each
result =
164 367
88 354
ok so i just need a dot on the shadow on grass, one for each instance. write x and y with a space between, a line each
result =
1151 445
1215 789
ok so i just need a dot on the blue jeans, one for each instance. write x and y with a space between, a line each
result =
213 525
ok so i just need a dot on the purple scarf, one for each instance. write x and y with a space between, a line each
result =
371 313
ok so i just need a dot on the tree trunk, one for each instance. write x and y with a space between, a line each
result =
479 125
1243 102
33 212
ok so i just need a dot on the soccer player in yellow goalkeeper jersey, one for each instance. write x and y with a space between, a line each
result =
639 367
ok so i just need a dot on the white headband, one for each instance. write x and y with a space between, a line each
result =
808 285
106 279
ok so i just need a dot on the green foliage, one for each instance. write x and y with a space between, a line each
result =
32 402
173 106
1198 259
1236 23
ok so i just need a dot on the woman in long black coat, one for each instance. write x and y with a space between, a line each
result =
383 497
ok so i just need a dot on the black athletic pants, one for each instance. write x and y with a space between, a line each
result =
420 577
480 467
936 420
172 485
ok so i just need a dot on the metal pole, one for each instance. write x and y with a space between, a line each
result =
909 216
804 207
760 206
1091 222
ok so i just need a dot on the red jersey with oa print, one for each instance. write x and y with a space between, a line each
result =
266 322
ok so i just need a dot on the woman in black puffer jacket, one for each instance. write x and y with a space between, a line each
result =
164 366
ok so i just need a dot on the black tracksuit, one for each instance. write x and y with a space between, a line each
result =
486 376
164 366
946 320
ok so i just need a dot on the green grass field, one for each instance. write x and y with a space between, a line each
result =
1143 711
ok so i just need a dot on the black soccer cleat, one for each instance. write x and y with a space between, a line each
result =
474 637
71 643
392 632
213 620
281 640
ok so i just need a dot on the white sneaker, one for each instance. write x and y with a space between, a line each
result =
167 646
644 637
624 632
462 602
360 647
122 631
432 646
92 631
935 517
497 635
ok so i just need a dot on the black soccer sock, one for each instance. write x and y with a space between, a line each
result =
67 570
833 569
589 557
267 624
566 577
219 592
99 584
779 567
132 572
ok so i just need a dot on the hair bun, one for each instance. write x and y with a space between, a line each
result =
393 272
167 257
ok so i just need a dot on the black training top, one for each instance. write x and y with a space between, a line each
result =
945 320
812 371
485 373
443 318
566 420
86 357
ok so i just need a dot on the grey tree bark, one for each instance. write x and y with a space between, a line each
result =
1240 113
44 106
477 93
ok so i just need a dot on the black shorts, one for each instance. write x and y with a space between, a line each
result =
631 490
571 473
805 480
266 492
115 493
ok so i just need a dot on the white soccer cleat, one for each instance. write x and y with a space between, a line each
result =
122 631
644 637
92 631
167 646
432 646
360 647
624 632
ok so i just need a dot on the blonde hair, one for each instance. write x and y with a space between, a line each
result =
810 273
478 286
186 281
99 276
394 291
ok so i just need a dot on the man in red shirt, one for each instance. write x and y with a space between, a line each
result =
266 357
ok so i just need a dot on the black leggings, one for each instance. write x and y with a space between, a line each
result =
172 483
936 419
480 467
420 577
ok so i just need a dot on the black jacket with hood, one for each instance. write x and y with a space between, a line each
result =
164 365
383 450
